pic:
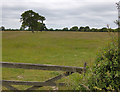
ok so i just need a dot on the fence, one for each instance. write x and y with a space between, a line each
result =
68 70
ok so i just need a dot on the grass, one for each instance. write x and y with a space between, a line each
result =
55 48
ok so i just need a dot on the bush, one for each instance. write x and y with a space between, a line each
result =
106 70
105 73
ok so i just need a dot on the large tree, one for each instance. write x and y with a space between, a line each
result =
2 28
32 20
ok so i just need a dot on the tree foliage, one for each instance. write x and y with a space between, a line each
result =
74 28
32 20
65 29
2 28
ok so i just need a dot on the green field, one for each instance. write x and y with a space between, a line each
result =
54 48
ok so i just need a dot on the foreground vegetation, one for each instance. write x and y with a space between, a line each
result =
105 73
56 48
106 70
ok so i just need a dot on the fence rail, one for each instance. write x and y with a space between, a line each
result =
42 67
35 85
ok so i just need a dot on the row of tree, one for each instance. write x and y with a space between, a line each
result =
74 28
86 29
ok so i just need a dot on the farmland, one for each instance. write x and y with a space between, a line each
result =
54 48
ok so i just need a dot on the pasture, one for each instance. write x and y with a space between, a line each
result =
54 48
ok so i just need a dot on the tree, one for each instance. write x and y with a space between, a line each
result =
65 29
2 28
81 29
41 26
75 28
51 29
32 20
87 29
104 29
42 19
93 30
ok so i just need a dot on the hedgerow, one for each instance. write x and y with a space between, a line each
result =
106 70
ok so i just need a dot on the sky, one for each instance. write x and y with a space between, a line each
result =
62 13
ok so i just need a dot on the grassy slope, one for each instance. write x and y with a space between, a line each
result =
57 48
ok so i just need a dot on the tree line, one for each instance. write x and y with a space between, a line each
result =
32 21
74 28
86 29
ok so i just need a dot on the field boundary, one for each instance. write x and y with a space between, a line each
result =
68 70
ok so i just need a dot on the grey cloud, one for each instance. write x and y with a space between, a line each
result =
62 13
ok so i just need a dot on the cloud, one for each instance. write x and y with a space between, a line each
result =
62 13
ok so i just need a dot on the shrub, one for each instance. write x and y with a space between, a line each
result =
106 70
105 73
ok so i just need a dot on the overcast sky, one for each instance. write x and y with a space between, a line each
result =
62 13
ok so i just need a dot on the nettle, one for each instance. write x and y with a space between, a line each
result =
106 70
